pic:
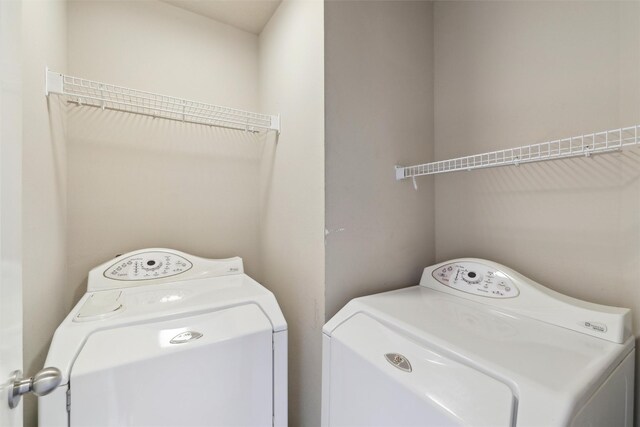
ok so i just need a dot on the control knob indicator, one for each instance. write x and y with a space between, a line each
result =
472 277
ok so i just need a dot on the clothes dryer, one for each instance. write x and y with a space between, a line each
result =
477 344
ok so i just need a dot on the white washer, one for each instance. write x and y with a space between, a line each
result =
163 338
477 344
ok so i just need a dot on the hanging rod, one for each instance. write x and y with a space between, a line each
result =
111 97
583 145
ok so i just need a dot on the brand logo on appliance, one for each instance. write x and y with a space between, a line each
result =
595 326
399 361
185 337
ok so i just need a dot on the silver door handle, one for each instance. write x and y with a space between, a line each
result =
44 382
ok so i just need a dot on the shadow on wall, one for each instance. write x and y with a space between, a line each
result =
121 129
267 166
57 130
136 182
603 171
579 212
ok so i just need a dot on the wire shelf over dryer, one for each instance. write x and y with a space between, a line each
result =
583 145
111 97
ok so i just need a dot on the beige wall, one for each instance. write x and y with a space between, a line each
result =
11 322
137 182
46 296
513 73
379 113
402 77
292 192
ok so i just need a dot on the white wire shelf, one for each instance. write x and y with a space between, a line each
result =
111 97
583 145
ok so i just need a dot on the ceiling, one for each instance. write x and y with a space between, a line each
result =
248 15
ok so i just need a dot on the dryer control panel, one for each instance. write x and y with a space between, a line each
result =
158 265
147 265
489 283
475 278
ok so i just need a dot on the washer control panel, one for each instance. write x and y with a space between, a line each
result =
477 279
147 265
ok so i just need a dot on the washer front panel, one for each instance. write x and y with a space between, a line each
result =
147 265
477 279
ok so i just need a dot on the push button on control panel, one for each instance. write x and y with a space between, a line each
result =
148 265
475 278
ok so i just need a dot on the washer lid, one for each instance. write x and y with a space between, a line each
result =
380 377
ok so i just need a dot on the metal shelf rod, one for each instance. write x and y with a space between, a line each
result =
79 101
583 145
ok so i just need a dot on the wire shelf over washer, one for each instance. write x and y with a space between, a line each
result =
111 97
583 145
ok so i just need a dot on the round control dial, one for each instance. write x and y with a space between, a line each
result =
472 277
151 265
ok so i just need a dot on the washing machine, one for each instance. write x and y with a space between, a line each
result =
164 338
477 344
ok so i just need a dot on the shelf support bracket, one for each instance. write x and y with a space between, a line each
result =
54 82
275 123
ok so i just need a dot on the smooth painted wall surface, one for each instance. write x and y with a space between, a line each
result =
292 191
46 295
379 113
512 73
137 182
11 331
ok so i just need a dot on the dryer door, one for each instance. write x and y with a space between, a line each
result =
377 377
213 369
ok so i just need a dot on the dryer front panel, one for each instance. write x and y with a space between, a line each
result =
213 369
376 377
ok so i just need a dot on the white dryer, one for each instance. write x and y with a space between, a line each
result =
163 338
477 344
